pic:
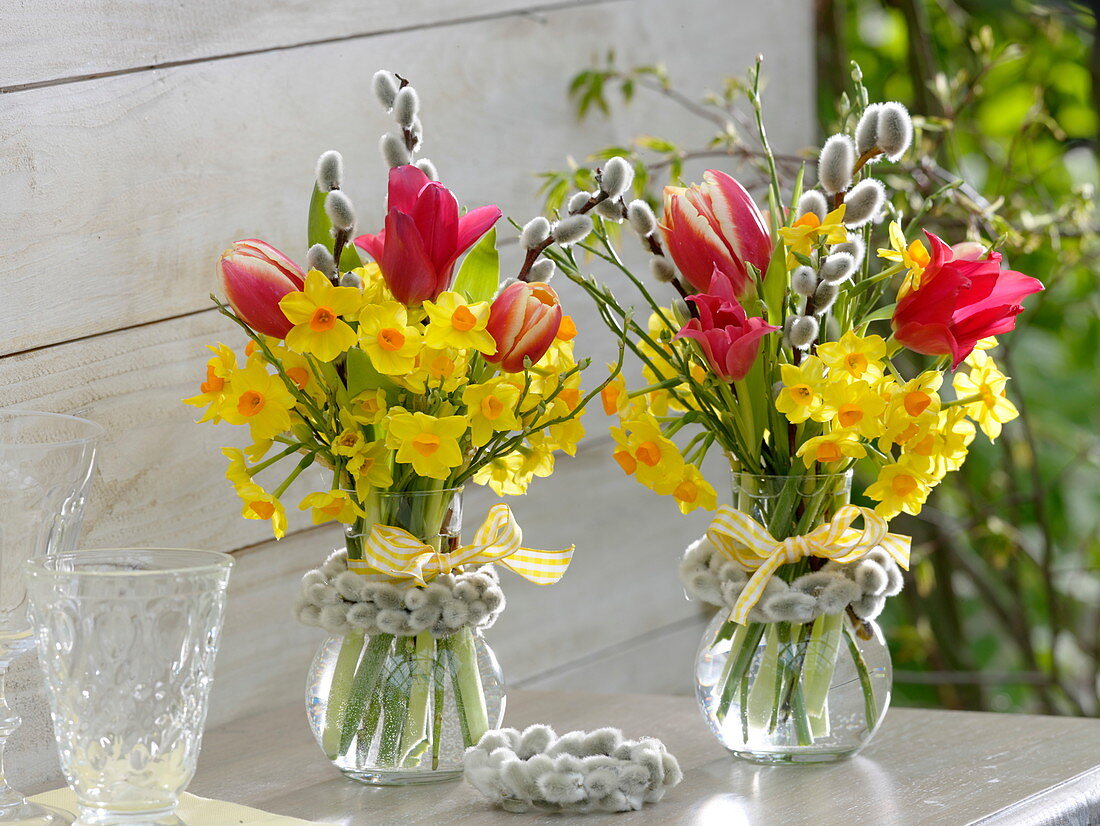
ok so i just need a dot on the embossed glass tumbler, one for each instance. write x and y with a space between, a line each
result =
46 465
127 640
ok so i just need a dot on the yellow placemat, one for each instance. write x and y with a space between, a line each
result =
194 811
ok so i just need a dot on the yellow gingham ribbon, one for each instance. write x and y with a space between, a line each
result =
748 543
398 554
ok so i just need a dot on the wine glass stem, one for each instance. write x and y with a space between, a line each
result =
9 722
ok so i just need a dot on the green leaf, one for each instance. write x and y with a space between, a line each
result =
362 375
479 274
320 231
655 143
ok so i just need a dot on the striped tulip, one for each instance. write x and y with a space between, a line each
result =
523 321
255 276
714 229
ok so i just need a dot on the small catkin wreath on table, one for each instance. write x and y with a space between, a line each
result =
597 771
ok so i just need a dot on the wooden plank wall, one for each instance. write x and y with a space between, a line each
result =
138 139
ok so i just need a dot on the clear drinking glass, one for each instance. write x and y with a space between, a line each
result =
46 466
127 640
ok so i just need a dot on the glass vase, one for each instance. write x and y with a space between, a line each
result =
393 709
786 692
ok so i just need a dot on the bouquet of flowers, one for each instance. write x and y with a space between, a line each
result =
402 380
801 342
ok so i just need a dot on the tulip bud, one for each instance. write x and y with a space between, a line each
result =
863 202
572 229
641 218
330 170
681 313
577 201
385 85
534 233
867 129
835 164
803 331
319 258
542 270
616 178
339 210
838 267
610 211
824 297
255 276
350 279
406 106
428 168
813 202
853 246
523 321
662 269
803 281
394 151
895 130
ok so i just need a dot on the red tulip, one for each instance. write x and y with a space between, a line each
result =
255 276
523 321
959 302
714 229
424 235
729 339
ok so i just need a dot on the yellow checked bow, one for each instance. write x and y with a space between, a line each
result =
400 555
748 543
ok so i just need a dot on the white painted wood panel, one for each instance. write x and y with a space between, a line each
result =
122 190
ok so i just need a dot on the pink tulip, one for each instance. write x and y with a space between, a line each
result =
523 321
424 235
714 229
255 276
729 339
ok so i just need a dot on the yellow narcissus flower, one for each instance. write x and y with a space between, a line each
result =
830 448
258 450
259 400
454 323
331 505
903 485
370 468
428 443
614 396
800 397
693 491
659 462
503 475
316 314
854 405
369 407
913 409
259 504
985 385
349 440
946 445
437 370
913 257
491 407
801 236
565 436
387 337
538 458
375 290
297 369
853 357
214 391
237 471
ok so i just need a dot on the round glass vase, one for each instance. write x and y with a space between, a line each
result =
391 709
784 692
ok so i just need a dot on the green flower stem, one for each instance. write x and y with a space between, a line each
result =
395 705
439 672
469 679
448 645
869 704
370 725
792 661
821 656
420 681
363 686
741 653
762 693
340 691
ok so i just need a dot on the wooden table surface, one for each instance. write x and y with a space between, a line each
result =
924 767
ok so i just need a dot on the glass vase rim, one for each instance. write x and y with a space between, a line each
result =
737 474
205 562
97 431
394 494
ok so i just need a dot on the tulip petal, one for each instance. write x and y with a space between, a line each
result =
738 219
254 289
473 225
373 244
405 264
436 217
405 183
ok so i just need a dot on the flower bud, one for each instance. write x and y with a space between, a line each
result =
572 229
542 270
319 258
835 164
824 297
788 323
838 267
641 218
610 210
863 202
895 130
853 246
339 210
385 85
350 279
523 321
616 178
428 168
814 202
803 331
394 151
662 270
255 276
330 170
406 106
803 281
534 233
681 313
577 201
867 129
